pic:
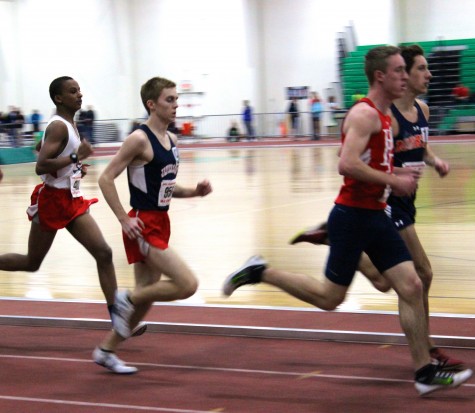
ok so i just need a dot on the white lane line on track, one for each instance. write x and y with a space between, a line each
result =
231 370
111 405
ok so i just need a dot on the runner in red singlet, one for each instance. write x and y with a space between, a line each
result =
358 222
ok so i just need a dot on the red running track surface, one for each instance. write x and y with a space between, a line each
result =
48 369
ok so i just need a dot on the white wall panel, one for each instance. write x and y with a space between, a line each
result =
231 50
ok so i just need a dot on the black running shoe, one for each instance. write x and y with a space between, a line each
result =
249 273
442 379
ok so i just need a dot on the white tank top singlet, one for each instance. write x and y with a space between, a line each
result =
62 177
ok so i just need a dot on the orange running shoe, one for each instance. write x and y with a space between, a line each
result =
315 235
444 360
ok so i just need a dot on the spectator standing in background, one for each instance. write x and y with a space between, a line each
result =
2 121
14 123
81 125
35 120
89 118
294 114
247 120
316 110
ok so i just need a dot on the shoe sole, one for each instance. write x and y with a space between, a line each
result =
420 386
228 287
452 367
98 360
115 372
138 331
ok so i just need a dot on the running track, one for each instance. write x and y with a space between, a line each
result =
214 368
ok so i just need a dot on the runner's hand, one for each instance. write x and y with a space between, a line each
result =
441 167
404 185
203 188
132 227
84 169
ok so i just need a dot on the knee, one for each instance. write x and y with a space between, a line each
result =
382 285
330 303
412 288
379 281
329 306
103 255
426 275
188 288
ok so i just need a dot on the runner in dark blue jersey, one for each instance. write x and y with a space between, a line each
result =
151 157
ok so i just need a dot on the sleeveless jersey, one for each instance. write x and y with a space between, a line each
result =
411 141
61 178
378 155
151 185
409 146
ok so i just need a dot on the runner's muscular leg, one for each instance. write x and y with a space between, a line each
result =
419 256
324 294
421 262
180 284
39 243
144 276
85 230
408 286
367 268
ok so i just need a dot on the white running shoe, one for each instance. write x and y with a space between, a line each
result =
123 310
110 361
249 273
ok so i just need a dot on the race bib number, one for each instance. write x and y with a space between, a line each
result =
166 192
419 166
75 184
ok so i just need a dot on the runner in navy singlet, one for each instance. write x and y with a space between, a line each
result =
151 157
410 145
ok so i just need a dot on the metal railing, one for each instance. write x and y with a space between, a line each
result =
445 120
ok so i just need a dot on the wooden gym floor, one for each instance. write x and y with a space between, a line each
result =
263 194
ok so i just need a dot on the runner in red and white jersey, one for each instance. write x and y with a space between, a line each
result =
57 202
378 155
358 223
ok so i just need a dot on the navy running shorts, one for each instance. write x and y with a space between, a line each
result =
402 211
353 231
